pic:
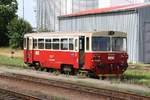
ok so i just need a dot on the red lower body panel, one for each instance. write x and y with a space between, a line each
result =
99 63
54 59
106 63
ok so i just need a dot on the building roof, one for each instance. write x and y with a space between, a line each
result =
108 9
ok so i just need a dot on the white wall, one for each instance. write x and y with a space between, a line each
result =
69 6
108 3
104 3
124 2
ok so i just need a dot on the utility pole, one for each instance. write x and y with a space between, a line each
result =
23 8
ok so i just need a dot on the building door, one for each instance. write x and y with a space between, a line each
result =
146 41
81 50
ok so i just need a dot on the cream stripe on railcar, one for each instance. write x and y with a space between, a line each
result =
60 34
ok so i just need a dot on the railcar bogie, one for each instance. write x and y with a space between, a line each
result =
67 69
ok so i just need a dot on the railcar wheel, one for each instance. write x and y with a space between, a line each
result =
103 77
47 69
42 69
51 70
82 74
92 75
37 66
30 65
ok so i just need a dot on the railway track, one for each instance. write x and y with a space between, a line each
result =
6 94
109 94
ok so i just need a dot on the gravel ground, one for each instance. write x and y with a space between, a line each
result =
74 79
45 92
6 96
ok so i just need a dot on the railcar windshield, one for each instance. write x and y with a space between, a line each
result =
101 43
109 44
119 44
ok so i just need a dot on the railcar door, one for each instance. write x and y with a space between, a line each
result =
81 50
29 50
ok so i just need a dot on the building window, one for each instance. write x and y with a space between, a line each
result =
34 43
71 44
56 44
41 43
64 44
47 43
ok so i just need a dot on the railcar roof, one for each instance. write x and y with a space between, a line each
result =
74 34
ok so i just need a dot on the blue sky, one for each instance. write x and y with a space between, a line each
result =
29 14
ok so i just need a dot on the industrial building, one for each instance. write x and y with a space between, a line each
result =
49 10
133 19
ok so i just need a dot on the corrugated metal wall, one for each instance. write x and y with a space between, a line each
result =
144 38
122 21
47 13
49 10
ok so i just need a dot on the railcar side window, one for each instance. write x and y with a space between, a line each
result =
71 44
87 43
41 43
64 44
47 43
101 43
76 46
34 43
24 43
56 44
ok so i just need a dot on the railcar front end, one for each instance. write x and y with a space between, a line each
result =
108 55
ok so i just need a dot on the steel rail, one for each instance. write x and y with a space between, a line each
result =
113 94
23 96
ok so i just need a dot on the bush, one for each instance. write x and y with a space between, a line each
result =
16 30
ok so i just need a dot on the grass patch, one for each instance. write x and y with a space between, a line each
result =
138 66
135 76
5 60
57 98
6 51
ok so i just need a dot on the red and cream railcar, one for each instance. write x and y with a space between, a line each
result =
97 52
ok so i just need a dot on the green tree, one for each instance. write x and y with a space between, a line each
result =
16 30
8 9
